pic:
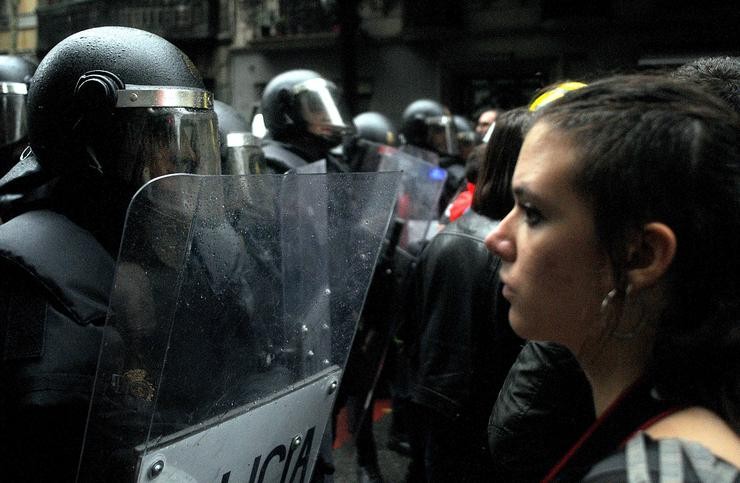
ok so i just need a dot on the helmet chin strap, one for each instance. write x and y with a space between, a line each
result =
94 163
91 156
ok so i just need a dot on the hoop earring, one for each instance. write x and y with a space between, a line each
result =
608 299
634 331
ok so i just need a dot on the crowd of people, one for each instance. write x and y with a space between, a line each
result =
569 310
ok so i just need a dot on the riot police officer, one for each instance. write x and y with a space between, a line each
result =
467 138
427 125
110 108
372 130
15 73
428 132
376 127
303 115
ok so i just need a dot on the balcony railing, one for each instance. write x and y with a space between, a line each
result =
173 19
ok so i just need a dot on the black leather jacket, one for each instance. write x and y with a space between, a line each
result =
545 404
465 345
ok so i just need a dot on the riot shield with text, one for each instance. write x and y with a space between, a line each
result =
233 309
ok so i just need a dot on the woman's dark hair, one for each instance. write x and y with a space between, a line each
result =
493 196
474 163
718 75
654 149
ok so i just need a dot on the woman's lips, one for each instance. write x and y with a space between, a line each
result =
507 292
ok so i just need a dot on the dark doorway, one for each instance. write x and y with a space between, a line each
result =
504 85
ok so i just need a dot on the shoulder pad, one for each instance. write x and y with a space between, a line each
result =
66 260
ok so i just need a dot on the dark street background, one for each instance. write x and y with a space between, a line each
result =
392 465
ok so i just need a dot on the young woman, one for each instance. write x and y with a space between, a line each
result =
623 247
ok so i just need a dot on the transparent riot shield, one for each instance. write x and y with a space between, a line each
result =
317 167
233 309
418 196
417 152
415 219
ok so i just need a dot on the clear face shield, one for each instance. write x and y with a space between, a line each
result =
319 106
442 134
164 131
13 112
243 154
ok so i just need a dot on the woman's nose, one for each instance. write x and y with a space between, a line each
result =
500 243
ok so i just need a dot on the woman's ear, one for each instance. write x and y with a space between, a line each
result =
650 255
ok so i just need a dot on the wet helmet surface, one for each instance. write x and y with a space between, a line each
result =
68 115
428 124
374 126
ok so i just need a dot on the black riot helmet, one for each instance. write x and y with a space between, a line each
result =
429 125
465 128
374 126
300 103
125 103
15 74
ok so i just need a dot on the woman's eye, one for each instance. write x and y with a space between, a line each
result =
532 216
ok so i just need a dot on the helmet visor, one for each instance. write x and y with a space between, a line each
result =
160 141
12 112
319 106
243 155
442 134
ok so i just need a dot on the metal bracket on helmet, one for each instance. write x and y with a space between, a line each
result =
159 96
98 88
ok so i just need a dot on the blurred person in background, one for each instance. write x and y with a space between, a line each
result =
461 344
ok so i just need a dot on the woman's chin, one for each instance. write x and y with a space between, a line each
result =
520 326
530 330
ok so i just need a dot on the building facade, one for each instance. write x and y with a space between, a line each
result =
18 27
387 53
473 53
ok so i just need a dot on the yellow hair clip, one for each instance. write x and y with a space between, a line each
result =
555 93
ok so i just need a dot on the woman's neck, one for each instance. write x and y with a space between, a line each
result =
616 367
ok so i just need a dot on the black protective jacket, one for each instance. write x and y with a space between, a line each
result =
464 344
282 157
54 283
56 272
